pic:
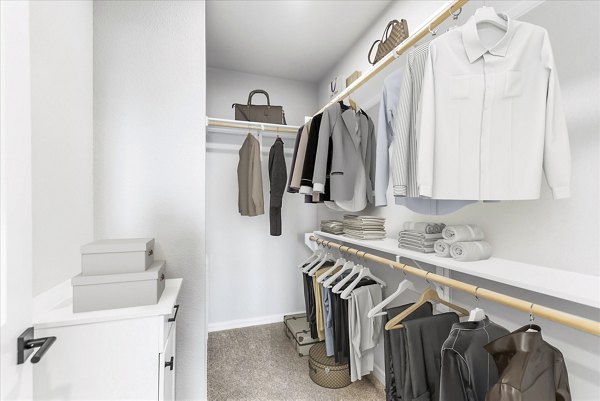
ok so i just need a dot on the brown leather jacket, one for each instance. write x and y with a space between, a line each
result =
530 368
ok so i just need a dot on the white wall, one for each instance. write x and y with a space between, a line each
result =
61 128
560 234
149 158
251 275
415 12
225 87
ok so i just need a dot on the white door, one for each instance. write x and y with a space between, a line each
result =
15 197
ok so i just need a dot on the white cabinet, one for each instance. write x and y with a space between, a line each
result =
119 354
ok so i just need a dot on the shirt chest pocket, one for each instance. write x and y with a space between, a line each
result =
460 86
513 84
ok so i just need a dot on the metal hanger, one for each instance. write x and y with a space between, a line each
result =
476 314
434 32
454 18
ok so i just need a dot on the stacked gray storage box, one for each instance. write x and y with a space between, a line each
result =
118 273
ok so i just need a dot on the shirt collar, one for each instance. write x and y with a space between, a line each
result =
475 48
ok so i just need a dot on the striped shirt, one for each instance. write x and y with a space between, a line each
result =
401 100
404 144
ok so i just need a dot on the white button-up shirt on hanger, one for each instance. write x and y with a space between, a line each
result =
491 119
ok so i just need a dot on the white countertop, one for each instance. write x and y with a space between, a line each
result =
55 307
576 287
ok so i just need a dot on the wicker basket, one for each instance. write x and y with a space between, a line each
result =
324 371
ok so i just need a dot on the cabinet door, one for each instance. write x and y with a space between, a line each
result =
167 360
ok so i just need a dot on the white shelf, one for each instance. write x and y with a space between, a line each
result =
225 126
576 287
52 314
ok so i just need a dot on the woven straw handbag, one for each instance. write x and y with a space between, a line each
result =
395 33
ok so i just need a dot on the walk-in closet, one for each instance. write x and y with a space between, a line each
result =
300 200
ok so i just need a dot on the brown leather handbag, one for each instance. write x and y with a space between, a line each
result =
262 113
395 33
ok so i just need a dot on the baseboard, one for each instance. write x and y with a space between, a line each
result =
253 321
379 374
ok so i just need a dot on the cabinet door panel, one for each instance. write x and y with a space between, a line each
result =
168 363
108 361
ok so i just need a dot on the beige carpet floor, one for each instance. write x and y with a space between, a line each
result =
260 363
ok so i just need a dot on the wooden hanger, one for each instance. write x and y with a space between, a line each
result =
353 104
429 295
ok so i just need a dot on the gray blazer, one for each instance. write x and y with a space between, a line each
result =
341 128
250 195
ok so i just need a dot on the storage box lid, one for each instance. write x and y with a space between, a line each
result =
118 245
154 272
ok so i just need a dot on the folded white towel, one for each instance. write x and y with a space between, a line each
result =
417 242
471 251
466 232
423 249
428 228
416 234
442 248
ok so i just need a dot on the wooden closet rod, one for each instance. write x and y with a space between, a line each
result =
217 122
412 40
566 319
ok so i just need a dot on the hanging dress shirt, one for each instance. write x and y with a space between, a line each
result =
492 117
397 127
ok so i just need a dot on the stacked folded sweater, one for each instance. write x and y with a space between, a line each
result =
464 242
364 227
420 237
332 226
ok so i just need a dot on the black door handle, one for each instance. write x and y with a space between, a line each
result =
172 319
26 344
169 364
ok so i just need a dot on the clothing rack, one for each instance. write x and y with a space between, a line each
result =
566 319
220 122
412 40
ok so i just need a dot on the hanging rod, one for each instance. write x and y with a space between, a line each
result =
566 319
409 42
220 122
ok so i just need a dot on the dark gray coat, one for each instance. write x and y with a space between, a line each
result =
277 178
